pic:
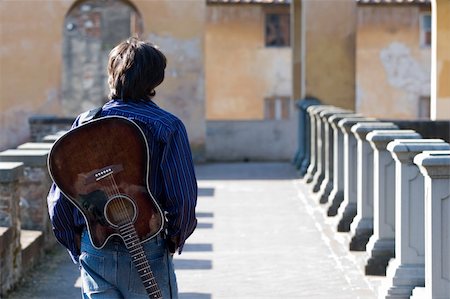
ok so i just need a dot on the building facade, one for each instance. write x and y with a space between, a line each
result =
393 59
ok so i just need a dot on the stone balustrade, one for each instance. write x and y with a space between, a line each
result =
337 193
362 225
376 193
33 189
328 148
316 142
25 229
302 156
322 143
381 245
435 166
407 269
11 173
348 208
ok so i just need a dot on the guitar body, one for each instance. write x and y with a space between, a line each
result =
102 168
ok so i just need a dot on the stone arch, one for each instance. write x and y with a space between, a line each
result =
91 29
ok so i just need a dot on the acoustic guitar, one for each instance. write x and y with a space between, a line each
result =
102 168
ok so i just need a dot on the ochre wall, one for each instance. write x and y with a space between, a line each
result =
31 61
393 69
328 51
441 94
30 64
239 70
177 27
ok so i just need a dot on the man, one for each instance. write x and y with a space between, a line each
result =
135 69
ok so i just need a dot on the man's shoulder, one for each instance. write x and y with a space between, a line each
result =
147 113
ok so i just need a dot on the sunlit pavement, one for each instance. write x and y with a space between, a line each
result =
260 235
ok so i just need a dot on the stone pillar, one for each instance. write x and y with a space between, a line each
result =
33 190
337 193
347 209
407 270
327 160
315 141
10 249
435 166
381 246
303 133
319 175
311 167
362 226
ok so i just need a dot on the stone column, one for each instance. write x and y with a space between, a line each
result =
311 167
407 270
362 226
315 141
10 249
435 166
321 146
347 209
327 161
381 246
337 193
303 132
33 190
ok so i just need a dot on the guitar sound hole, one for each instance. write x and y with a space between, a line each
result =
120 210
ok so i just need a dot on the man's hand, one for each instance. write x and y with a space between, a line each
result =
172 245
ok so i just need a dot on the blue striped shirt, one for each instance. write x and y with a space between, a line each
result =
172 181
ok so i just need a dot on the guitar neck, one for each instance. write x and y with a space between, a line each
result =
134 246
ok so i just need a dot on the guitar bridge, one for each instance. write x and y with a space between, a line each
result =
99 174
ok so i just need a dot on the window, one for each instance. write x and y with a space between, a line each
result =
425 30
276 108
277 30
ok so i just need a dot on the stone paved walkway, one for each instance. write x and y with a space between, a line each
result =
260 235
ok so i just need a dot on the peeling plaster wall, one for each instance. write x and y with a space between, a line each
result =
31 44
30 64
393 70
240 70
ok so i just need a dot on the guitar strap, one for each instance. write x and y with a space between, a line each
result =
90 115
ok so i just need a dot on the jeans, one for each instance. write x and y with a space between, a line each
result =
109 273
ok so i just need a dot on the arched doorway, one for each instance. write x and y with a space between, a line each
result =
91 29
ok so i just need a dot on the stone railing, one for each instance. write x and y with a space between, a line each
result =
25 229
386 183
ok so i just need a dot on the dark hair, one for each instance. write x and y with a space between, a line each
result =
135 69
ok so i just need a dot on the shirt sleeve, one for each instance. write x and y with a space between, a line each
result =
65 218
180 186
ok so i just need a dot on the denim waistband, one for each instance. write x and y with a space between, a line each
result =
115 243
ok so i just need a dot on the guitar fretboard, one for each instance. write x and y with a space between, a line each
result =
134 246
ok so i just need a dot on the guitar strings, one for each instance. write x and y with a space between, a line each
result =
115 190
